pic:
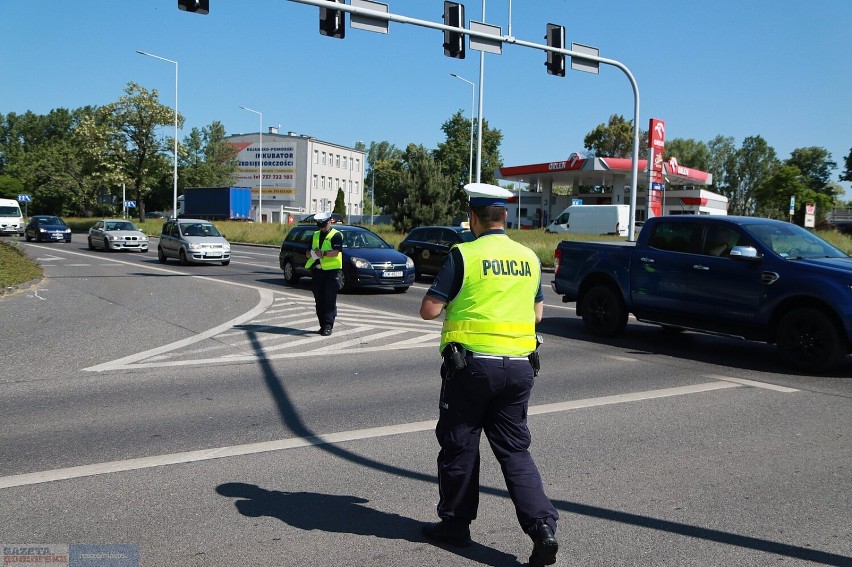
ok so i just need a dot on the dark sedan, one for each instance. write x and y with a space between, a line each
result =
47 227
428 246
368 261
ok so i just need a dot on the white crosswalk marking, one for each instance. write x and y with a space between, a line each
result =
284 325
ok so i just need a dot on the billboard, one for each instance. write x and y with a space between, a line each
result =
278 158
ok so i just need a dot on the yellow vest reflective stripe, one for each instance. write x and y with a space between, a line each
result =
330 262
494 311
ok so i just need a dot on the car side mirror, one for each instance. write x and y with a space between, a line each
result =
744 252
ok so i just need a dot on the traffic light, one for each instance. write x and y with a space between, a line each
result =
197 6
454 41
555 61
333 22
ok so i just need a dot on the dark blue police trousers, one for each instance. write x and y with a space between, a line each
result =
324 288
491 395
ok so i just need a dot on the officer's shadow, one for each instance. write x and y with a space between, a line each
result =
341 514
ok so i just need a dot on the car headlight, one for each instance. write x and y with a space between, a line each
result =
409 263
144 238
226 247
113 238
361 263
67 231
194 246
42 230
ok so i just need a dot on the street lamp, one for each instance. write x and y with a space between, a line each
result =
259 166
472 94
174 196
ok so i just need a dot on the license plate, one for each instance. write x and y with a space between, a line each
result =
213 255
391 274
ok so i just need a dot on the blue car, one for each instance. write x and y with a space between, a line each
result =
47 227
368 261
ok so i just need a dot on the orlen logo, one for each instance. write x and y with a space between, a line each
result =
660 134
570 162
674 167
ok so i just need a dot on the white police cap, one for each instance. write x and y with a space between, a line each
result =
322 218
486 195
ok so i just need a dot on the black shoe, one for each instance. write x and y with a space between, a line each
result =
325 331
444 532
545 546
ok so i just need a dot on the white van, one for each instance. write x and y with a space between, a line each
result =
592 219
11 219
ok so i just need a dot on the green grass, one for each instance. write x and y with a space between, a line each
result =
16 268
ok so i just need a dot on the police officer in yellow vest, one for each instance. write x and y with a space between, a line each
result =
325 260
491 290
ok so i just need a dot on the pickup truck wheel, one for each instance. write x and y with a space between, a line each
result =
603 313
810 341
289 272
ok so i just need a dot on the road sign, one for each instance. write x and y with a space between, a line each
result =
576 201
130 204
24 198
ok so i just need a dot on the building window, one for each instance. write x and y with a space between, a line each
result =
323 158
344 162
314 183
314 206
316 156
357 187
322 182
336 184
357 164
337 160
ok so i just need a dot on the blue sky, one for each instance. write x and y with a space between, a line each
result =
782 70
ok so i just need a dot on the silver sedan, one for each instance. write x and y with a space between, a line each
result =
117 234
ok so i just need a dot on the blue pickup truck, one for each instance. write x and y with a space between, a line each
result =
750 278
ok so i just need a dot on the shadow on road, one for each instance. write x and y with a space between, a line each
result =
353 518
333 513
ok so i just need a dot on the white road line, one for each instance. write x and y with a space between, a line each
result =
753 383
28 479
265 301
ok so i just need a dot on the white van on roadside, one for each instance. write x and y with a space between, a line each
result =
592 219
11 219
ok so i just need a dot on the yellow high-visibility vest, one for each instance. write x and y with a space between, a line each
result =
330 262
494 311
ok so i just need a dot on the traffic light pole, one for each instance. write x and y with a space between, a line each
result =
386 17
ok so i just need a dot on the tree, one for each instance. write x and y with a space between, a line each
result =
721 161
206 159
615 139
424 193
454 153
384 161
10 187
816 166
754 162
136 116
689 153
847 174
340 203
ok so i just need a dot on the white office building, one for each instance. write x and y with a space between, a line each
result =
301 175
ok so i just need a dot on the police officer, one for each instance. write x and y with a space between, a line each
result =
325 260
491 290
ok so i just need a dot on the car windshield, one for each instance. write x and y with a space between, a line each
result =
467 236
199 229
49 220
10 212
120 226
363 239
792 241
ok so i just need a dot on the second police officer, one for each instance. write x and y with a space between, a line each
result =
325 260
491 290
